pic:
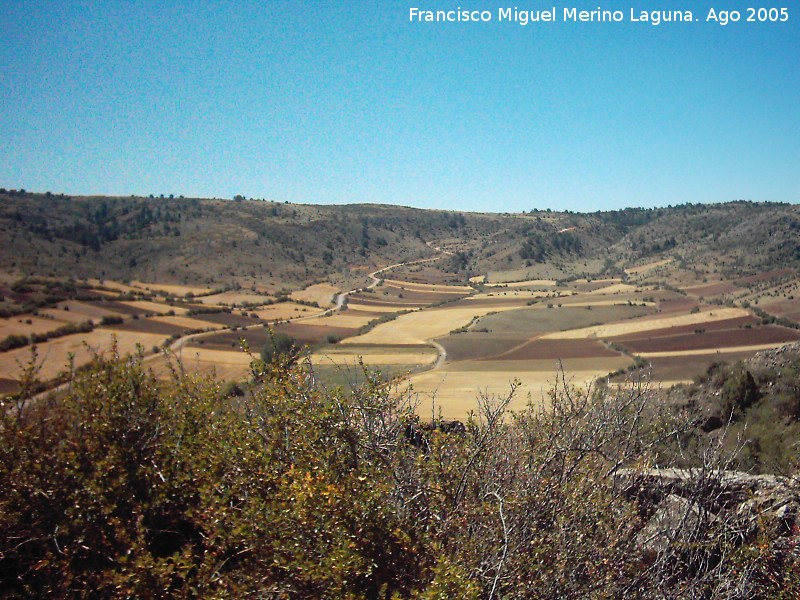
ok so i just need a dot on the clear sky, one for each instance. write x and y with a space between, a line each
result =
338 102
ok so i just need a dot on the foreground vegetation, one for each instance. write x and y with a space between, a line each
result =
130 486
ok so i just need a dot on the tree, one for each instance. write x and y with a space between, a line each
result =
279 344
739 392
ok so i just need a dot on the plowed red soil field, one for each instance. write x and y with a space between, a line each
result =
555 349
712 340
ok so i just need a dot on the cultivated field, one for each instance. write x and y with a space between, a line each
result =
27 324
648 323
418 327
284 310
455 388
451 342
227 365
236 298
171 289
351 354
322 293
54 355
148 307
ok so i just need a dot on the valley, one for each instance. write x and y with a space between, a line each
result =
459 314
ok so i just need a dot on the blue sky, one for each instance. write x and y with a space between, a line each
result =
337 102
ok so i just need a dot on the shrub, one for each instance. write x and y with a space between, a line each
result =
111 320
279 345
131 487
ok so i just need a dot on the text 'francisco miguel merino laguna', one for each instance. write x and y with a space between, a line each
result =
550 15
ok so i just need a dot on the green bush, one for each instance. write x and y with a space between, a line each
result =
279 345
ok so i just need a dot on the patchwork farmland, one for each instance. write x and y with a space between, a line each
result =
446 331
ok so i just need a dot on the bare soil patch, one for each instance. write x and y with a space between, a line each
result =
678 304
713 289
473 346
226 319
381 301
190 323
670 369
726 324
788 309
8 386
393 294
349 318
712 340
424 275
766 276
115 285
232 340
559 349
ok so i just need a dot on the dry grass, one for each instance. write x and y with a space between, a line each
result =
155 307
420 326
704 351
185 322
381 308
638 270
321 293
171 289
348 318
428 287
527 283
54 355
18 326
509 295
233 298
587 301
456 388
616 288
377 355
79 312
285 310
233 365
114 285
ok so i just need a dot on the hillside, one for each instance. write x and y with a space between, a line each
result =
257 243
216 242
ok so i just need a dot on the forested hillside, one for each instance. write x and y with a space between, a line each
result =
248 242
